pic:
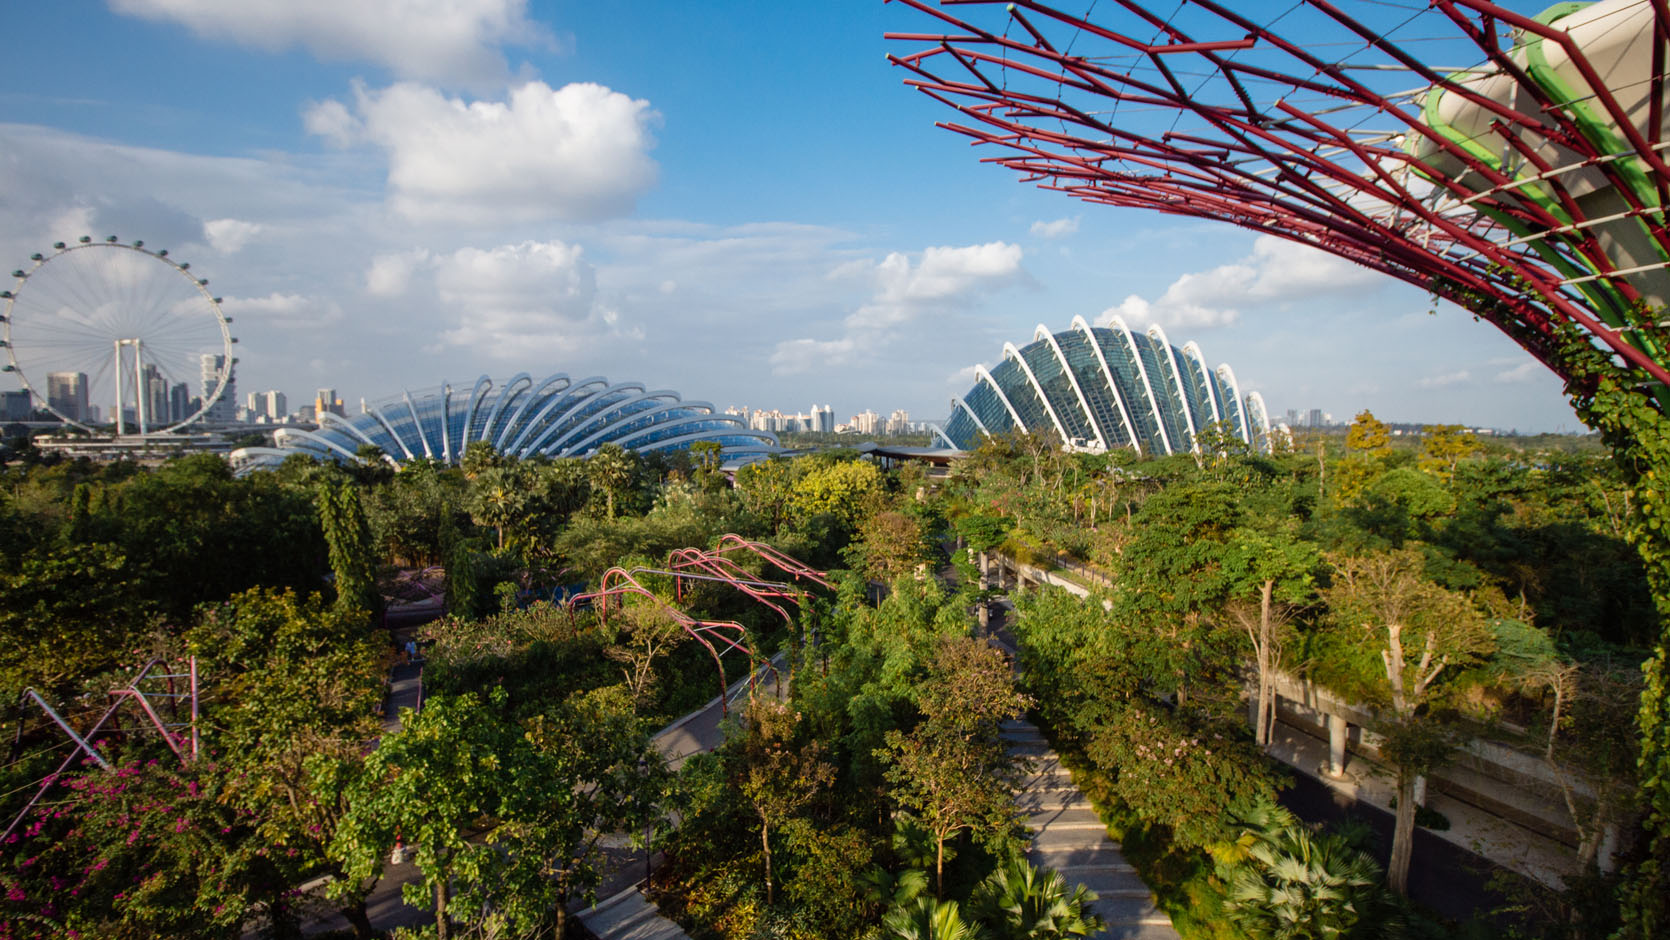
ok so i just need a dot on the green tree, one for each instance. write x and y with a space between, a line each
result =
348 537
1444 446
1276 568
611 469
777 774
1419 631
929 919
953 770
848 490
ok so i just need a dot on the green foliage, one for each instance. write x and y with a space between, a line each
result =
1021 902
348 537
1188 778
1285 882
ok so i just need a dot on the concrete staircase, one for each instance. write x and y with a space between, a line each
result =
1069 837
628 916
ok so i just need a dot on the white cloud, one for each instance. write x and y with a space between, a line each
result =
797 356
1060 228
447 41
903 292
576 153
285 311
229 236
535 298
391 274
1458 377
1523 372
1278 271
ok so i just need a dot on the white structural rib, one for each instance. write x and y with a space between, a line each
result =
1228 375
940 432
981 375
1009 351
536 395
1113 386
339 423
1147 386
288 434
1192 350
536 422
506 394
1261 419
478 393
1042 332
446 422
1158 335
959 403
375 411
611 425
423 438
553 430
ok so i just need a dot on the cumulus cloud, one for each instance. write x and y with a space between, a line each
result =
391 274
903 292
575 153
1523 372
1278 271
1060 228
285 311
448 41
513 300
229 236
1447 379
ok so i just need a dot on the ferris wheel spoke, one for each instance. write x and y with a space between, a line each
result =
121 315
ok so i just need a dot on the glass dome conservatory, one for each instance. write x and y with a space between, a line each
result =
1101 388
558 416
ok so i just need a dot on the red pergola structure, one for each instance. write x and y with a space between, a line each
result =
1510 162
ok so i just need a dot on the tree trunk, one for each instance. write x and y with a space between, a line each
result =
357 917
1266 702
939 868
765 843
1403 834
441 930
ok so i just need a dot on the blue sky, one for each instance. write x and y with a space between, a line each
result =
740 201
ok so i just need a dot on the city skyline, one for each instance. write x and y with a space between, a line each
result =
348 190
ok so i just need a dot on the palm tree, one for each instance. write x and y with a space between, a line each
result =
928 919
1293 884
1023 902
611 468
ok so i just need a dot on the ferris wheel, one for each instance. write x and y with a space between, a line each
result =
117 327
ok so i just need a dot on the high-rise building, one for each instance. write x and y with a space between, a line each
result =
179 402
1315 420
898 422
276 407
66 392
823 418
326 402
224 409
866 422
16 406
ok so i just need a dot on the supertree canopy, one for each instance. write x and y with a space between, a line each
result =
1510 162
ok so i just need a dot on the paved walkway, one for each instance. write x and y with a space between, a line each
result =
1069 837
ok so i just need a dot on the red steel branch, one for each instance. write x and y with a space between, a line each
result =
1072 104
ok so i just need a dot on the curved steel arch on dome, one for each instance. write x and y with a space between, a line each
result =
1513 164
1074 372
556 417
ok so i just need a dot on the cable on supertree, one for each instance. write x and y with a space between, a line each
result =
1524 178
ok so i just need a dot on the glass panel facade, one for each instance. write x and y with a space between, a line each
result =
1058 389
1018 389
961 429
1158 365
1122 360
1087 368
983 400
1200 391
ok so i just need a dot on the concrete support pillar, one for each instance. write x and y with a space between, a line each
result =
1338 728
983 610
1608 849
1420 790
